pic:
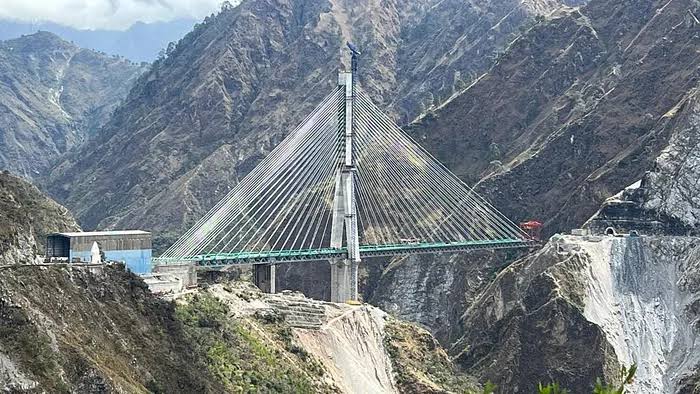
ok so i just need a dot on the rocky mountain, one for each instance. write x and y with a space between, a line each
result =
576 109
141 42
26 216
53 95
573 111
584 103
591 101
199 120
625 291
103 331
76 331
583 306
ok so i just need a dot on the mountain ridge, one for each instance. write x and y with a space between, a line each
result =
231 104
54 94
141 42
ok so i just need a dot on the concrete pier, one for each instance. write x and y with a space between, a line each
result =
344 271
343 280
264 276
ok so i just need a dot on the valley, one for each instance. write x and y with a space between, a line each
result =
580 116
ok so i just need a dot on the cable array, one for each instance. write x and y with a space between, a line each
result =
285 202
406 196
403 195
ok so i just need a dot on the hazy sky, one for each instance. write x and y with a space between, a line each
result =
105 14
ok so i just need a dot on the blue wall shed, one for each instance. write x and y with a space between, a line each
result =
133 247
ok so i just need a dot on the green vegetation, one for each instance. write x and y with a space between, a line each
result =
552 388
489 388
420 364
625 378
247 355
30 347
72 331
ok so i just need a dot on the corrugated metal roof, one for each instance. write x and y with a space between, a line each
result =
103 233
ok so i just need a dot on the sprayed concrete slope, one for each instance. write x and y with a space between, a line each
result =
350 346
640 291
347 340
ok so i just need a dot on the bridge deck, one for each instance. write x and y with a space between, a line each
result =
285 256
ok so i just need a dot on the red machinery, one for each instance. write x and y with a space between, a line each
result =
533 228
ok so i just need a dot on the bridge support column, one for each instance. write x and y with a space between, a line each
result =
344 272
343 280
264 276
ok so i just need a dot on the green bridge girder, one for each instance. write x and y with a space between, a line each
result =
285 256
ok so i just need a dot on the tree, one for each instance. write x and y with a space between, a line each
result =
626 378
226 5
170 49
552 388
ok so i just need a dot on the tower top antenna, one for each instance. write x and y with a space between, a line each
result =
353 49
353 60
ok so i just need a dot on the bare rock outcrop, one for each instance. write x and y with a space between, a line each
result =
672 185
360 348
583 306
575 109
26 215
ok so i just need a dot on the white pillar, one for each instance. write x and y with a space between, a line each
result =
273 284
344 271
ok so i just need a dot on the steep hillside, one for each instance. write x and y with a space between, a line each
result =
583 105
453 44
70 328
608 300
573 111
76 331
141 42
102 331
26 215
353 349
231 89
53 94
581 307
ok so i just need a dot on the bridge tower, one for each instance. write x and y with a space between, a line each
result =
344 223
324 184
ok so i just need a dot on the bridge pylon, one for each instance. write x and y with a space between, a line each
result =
344 222
346 183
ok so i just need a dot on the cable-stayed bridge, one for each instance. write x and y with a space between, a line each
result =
347 183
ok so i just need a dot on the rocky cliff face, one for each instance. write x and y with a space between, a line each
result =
576 109
102 331
26 215
434 291
201 119
671 185
581 306
592 113
610 300
351 349
53 95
